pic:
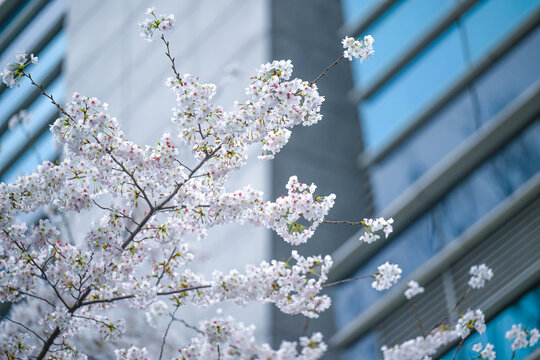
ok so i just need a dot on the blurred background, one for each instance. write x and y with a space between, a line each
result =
439 130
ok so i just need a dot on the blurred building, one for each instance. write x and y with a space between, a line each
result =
450 113
37 27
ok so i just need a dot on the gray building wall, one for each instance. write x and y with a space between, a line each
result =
306 32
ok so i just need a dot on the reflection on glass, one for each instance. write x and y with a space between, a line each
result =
354 9
43 149
488 23
422 81
479 193
397 30
49 57
525 311
40 111
365 349
517 70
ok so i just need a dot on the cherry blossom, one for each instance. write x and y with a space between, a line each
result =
480 274
520 335
413 290
387 275
145 207
375 225
362 49
485 352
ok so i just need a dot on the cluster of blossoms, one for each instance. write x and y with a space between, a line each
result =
520 335
485 352
225 339
132 353
362 49
387 275
375 225
470 320
413 290
294 289
480 274
151 206
421 347
275 104
157 22
13 72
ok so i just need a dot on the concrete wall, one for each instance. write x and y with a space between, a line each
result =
306 31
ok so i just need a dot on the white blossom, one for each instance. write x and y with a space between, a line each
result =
470 320
372 226
420 348
520 335
480 274
149 25
413 290
362 49
387 275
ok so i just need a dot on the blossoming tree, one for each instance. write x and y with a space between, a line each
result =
151 203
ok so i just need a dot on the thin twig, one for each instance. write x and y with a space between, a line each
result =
417 317
24 326
352 223
347 280
306 325
165 265
130 296
168 53
189 326
326 70
167 331
458 348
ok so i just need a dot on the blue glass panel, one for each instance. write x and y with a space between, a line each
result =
354 9
421 82
517 70
49 57
525 311
20 7
40 111
474 197
365 349
490 21
43 149
396 31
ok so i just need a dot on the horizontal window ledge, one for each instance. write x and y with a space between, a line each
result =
355 28
38 43
33 95
442 261
28 144
369 158
22 19
427 190
431 35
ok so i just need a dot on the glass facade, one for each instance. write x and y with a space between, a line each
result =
393 105
25 144
524 311
474 197
457 120
436 68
